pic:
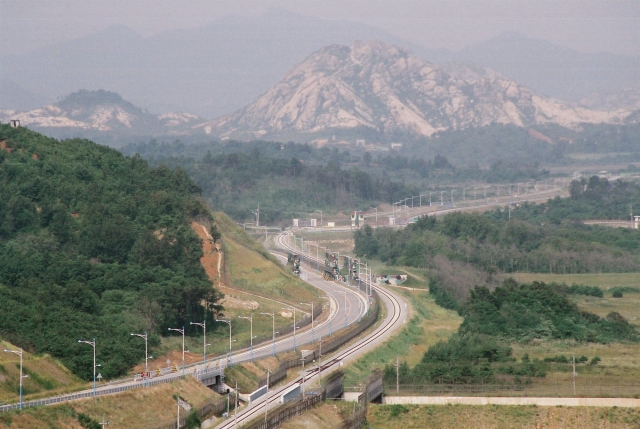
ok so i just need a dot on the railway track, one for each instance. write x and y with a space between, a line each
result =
388 325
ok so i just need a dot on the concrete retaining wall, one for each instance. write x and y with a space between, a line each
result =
548 402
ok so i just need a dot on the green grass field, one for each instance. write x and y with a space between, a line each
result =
499 417
427 325
605 281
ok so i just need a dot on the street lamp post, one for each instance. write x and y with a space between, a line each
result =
204 340
228 322
250 319
146 351
406 209
273 326
312 325
93 344
182 332
19 353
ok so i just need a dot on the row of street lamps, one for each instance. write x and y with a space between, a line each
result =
145 336
526 187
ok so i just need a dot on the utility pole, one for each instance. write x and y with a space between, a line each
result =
103 423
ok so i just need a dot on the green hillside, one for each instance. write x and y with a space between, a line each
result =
94 244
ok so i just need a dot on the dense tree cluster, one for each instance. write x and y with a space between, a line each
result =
95 245
511 312
236 182
593 198
494 242
523 312
290 179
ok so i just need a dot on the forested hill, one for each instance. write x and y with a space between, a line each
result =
94 244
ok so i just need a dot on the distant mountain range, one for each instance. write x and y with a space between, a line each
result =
381 89
216 69
371 90
102 116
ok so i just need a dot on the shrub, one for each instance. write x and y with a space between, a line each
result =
397 409
87 422
617 294
585 290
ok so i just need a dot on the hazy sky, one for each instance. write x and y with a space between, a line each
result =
588 26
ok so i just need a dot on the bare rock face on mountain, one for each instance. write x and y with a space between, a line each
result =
388 90
101 112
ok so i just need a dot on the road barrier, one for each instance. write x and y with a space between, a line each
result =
88 394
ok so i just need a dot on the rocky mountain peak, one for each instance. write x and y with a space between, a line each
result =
386 89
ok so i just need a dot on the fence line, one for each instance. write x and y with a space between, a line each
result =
535 390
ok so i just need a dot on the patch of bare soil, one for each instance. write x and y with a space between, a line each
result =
211 251
233 302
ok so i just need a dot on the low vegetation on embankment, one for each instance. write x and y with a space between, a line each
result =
147 408
253 281
499 417
47 376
